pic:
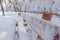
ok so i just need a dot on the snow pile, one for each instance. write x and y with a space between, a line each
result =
7 28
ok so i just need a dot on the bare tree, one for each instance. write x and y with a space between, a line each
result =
2 7
15 3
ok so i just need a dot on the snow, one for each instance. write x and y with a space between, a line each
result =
39 5
34 6
26 33
10 14
7 28
46 29
56 20
56 8
38 24
22 31
48 4
31 33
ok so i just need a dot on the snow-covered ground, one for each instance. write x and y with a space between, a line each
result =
38 25
7 28
35 20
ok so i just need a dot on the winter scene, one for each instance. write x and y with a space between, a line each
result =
29 19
